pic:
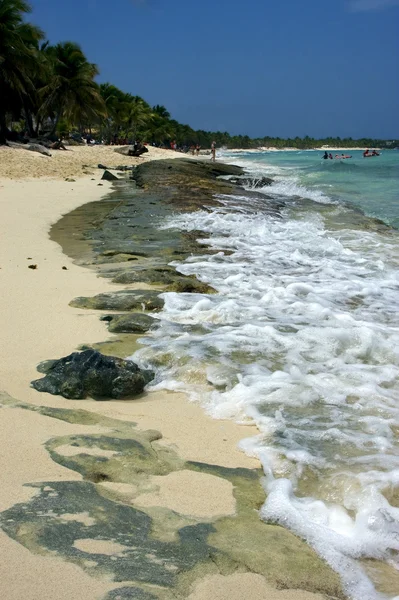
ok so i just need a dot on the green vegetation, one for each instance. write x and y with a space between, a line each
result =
51 90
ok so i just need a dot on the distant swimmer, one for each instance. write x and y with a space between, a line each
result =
325 155
342 156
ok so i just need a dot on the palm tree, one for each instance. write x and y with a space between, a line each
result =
161 111
18 60
139 114
71 92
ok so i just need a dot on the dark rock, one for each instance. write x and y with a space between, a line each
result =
123 300
32 266
100 166
108 176
133 323
70 179
90 373
132 151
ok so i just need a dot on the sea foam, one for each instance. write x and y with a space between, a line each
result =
302 338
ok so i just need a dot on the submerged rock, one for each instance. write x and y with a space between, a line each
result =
252 182
90 373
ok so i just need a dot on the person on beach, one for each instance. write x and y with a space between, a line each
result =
197 149
213 151
58 145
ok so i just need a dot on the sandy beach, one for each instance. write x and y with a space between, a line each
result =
38 324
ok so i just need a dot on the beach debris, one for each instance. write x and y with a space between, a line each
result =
100 166
28 258
65 268
108 176
70 179
32 266
100 184
90 373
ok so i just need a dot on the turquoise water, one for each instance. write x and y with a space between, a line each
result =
370 184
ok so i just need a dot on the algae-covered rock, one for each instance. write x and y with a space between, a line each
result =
133 323
90 373
122 300
165 276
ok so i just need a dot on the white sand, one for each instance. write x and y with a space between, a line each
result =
74 162
192 494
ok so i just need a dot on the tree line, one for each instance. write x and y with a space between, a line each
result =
51 90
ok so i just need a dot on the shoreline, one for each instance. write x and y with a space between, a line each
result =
40 324
291 149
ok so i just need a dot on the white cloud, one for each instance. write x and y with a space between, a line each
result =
366 5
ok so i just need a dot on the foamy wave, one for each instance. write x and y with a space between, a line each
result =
302 339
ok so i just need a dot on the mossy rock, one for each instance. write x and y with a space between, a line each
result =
122 300
132 323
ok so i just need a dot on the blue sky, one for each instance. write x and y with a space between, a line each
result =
287 68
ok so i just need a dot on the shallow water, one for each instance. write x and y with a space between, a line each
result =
302 338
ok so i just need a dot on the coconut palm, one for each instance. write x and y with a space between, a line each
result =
161 111
71 93
139 114
18 58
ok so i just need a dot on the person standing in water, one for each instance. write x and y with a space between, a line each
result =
213 151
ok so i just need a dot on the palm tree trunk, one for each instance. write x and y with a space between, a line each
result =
3 128
58 117
29 121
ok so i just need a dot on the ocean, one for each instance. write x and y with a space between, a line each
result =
302 338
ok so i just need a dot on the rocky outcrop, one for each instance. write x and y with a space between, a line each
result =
90 373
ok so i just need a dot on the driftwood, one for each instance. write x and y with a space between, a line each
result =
32 147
